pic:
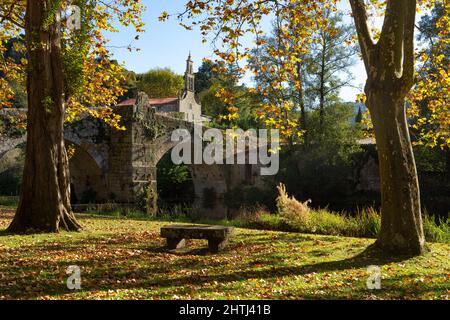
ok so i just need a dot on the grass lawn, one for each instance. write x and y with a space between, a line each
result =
126 259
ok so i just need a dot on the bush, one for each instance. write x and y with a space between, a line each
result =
297 216
436 231
8 201
257 217
369 222
326 222
291 211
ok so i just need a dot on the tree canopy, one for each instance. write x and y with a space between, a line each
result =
229 21
160 83
92 78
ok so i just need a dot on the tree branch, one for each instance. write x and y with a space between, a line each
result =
362 27
409 58
392 39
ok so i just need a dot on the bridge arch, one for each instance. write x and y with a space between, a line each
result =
7 144
209 181
87 178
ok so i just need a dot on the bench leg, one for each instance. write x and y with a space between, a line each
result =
214 245
175 243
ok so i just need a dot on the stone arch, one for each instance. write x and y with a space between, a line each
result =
98 152
11 169
9 143
163 145
87 177
210 184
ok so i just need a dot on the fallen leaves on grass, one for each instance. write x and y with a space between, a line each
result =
126 259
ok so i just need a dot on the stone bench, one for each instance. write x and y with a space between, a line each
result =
176 235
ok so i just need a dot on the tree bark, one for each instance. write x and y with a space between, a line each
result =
401 220
45 194
322 86
390 68
301 102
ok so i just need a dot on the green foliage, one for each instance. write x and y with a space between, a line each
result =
359 116
205 76
322 170
12 126
160 83
338 136
246 196
174 181
130 85
209 82
436 231
75 47
17 85
328 64
368 221
297 216
430 159
9 201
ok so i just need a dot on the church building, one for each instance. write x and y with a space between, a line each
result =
186 103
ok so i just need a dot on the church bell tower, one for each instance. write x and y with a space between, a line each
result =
189 77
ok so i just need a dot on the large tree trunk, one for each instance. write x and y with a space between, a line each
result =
390 68
45 195
401 225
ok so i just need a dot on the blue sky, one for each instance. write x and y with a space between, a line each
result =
167 44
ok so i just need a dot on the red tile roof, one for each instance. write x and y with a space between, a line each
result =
153 102
128 102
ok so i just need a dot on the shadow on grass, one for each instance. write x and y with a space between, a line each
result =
153 276
150 269
370 256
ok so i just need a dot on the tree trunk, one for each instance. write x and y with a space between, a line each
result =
401 221
45 194
390 66
447 162
322 87
301 102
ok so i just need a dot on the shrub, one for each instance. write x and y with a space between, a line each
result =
250 196
257 217
436 231
9 201
291 211
325 222
369 222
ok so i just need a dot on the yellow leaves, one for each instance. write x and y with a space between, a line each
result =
101 80
430 99
229 21
70 149
361 98
101 87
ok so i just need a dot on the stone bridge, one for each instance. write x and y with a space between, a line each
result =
120 166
